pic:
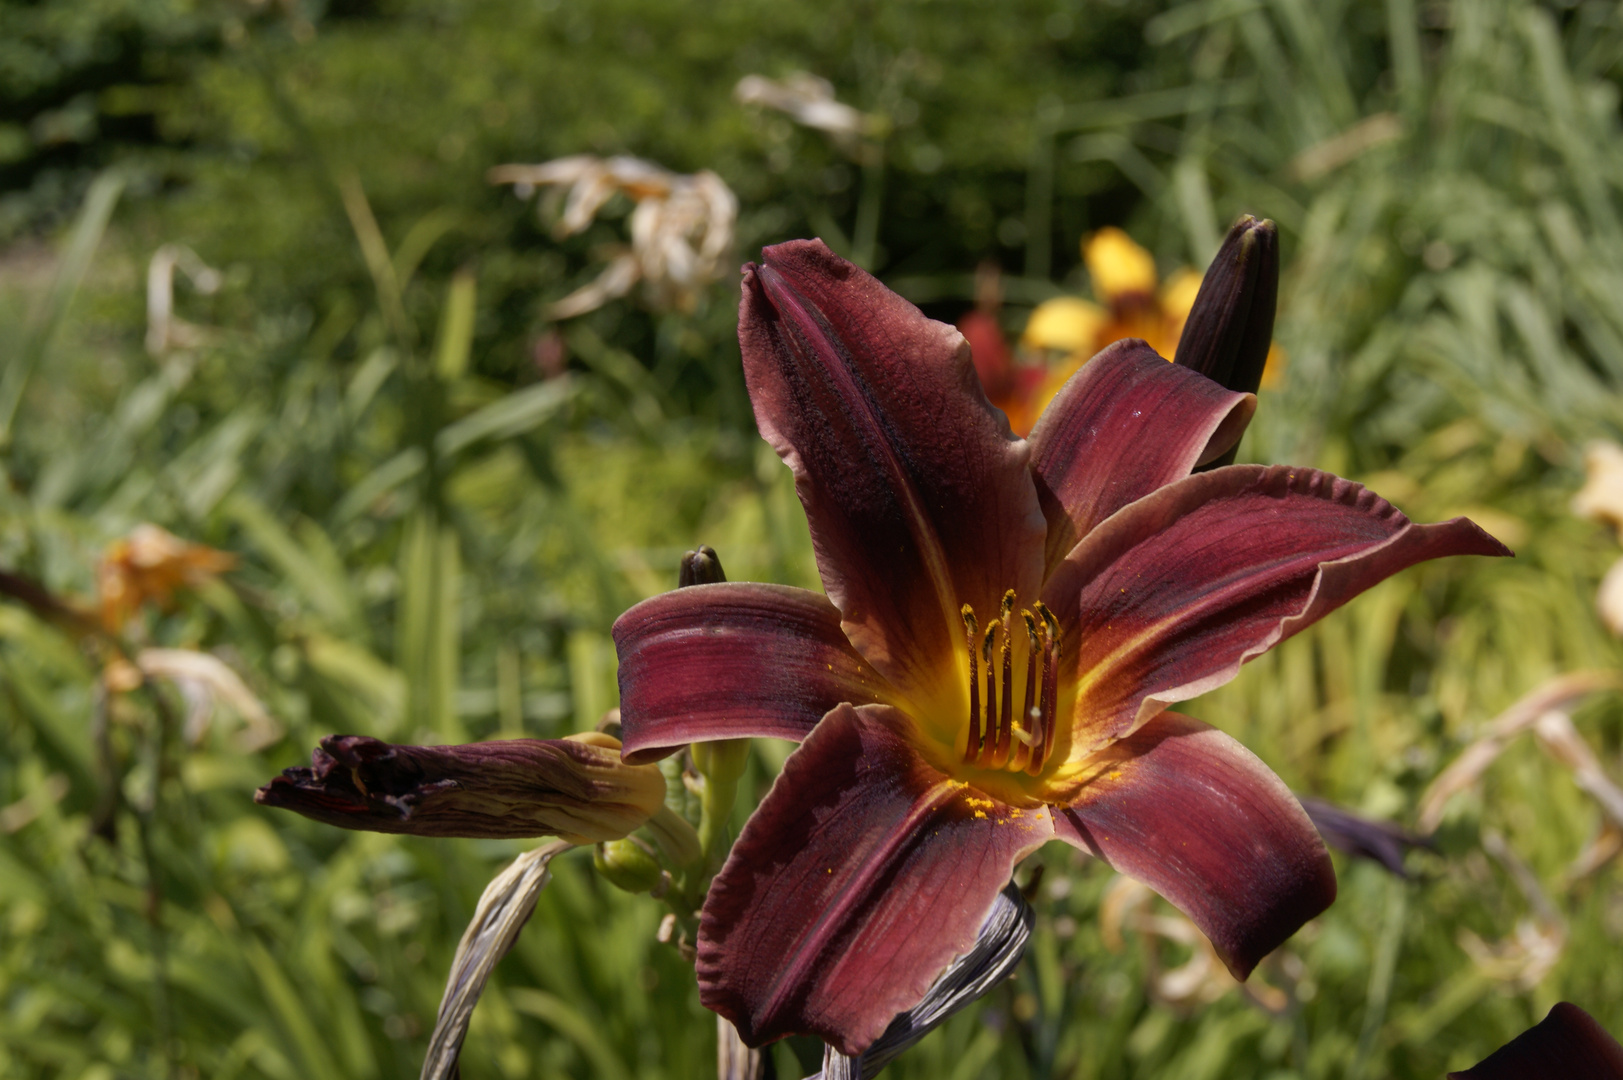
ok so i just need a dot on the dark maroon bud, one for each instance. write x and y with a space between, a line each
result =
1231 324
701 567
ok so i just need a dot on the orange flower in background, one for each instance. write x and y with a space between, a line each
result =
147 567
1062 334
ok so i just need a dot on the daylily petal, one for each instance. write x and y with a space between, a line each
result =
998 950
917 493
1197 817
572 788
1566 1045
730 661
1126 424
814 924
1169 597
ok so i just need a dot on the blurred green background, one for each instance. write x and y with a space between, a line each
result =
436 528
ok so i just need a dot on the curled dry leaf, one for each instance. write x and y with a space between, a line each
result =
997 951
1557 696
504 908
734 1060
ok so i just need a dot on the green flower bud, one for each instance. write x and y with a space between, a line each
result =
630 866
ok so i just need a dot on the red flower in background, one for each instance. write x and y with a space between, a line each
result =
1005 625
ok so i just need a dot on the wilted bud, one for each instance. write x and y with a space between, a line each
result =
629 866
701 567
575 788
1567 1043
1228 331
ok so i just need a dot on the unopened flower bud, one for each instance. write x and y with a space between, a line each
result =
628 866
1231 324
701 567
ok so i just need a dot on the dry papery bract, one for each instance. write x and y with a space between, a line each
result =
681 228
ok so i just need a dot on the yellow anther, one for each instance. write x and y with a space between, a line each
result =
1049 622
1007 605
969 619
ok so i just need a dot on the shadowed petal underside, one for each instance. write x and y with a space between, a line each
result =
1566 1045
1197 817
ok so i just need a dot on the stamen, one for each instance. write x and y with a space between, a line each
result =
989 730
1048 703
1005 707
972 747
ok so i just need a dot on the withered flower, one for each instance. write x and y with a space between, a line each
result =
575 788
148 566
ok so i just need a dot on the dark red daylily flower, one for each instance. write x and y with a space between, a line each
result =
1005 625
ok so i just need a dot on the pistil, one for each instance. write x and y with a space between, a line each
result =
1005 707
972 748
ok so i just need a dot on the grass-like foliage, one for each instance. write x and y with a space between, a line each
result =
439 499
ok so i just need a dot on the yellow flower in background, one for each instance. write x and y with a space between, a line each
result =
1062 334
